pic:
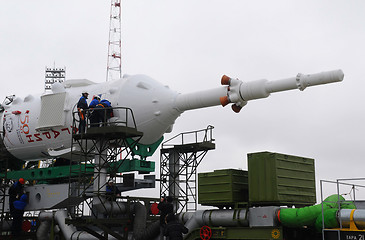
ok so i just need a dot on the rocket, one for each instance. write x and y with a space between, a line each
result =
39 126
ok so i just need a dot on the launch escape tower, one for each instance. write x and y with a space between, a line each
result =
54 75
180 157
114 64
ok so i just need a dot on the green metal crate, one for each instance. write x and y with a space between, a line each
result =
223 187
279 179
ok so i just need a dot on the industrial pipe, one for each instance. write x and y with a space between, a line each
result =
216 218
43 230
358 216
69 231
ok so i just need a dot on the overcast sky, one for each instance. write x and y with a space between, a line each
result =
188 45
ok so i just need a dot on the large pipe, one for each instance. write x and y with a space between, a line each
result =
216 218
358 216
140 231
69 231
139 223
43 230
109 206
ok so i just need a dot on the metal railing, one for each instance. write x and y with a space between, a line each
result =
97 117
340 182
198 136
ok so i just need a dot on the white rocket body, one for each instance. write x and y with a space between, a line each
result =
40 125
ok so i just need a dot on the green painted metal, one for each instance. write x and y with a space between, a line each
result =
279 179
223 187
144 150
238 233
133 165
53 173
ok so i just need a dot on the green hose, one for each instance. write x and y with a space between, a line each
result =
330 219
307 216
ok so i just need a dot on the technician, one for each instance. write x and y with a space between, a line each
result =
165 207
15 192
94 117
174 230
19 205
107 112
81 108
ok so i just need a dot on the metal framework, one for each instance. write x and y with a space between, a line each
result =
96 153
114 65
54 75
352 185
180 157
3 194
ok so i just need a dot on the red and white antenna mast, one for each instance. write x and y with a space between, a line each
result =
114 67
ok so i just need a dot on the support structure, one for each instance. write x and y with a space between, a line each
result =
4 216
114 65
180 157
96 159
54 75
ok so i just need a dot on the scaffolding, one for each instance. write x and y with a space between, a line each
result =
54 75
180 157
96 157
4 185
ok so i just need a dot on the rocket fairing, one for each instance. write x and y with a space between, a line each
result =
40 126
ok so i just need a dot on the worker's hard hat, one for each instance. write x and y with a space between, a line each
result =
21 180
97 97
85 92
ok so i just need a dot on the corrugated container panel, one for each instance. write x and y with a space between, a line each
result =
280 179
222 187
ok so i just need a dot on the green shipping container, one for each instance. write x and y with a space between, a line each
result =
223 187
279 179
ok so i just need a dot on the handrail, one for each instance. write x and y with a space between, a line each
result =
123 116
338 183
180 139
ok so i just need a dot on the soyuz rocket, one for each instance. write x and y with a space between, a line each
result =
39 126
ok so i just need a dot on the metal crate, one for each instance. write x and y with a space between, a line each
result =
280 179
223 187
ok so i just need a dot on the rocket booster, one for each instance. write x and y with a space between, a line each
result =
40 126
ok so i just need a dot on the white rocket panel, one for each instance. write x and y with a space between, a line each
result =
52 111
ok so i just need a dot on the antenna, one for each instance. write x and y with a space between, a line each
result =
114 65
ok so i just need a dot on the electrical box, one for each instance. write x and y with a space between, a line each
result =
280 179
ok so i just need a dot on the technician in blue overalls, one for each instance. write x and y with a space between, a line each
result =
94 118
105 111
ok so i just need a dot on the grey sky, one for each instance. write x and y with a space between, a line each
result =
190 44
